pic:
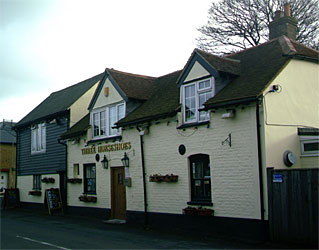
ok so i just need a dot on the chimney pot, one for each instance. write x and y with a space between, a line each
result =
287 9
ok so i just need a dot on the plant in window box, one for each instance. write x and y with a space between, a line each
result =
45 180
190 211
86 198
51 180
35 192
156 178
171 178
75 180
205 211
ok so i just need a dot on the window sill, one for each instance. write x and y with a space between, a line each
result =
37 152
202 203
193 124
113 138
310 155
90 193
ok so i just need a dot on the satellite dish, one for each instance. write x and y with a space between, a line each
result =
289 158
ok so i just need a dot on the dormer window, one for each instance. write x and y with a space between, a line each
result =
194 95
103 120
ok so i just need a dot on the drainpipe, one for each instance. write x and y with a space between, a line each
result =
143 175
65 176
260 167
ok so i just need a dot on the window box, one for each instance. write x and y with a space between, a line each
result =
86 198
75 180
35 192
193 211
163 178
48 180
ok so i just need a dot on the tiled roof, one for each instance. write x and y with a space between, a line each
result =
221 64
78 129
254 67
134 86
7 134
259 65
58 102
163 101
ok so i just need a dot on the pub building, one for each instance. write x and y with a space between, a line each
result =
192 149
193 153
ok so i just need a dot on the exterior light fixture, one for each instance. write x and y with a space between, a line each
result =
105 163
125 161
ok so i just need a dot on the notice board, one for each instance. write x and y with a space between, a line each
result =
11 198
53 199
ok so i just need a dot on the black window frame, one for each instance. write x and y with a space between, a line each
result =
205 194
92 189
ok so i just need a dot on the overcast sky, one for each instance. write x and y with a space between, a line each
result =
47 45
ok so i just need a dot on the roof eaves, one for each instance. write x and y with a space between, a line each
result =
228 103
145 119
41 119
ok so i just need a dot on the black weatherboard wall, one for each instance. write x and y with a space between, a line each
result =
54 158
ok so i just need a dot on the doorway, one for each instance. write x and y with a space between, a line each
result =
118 193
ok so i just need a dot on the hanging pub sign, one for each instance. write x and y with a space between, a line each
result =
106 148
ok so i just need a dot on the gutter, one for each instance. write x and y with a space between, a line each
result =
143 175
260 168
228 103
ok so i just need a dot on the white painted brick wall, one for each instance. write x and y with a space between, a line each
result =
25 184
234 170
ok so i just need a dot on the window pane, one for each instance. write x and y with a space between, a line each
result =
190 103
204 84
112 120
313 146
102 123
96 127
43 140
203 97
120 111
90 179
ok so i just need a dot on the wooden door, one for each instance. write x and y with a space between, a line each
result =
118 196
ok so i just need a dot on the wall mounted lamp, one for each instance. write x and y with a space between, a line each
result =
105 163
125 161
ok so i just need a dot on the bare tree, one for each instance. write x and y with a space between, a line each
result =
239 24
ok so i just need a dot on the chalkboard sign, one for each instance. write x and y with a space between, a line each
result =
53 199
12 198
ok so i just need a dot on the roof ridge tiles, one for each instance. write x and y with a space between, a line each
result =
131 74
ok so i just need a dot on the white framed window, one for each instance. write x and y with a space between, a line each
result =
193 96
309 145
103 120
38 138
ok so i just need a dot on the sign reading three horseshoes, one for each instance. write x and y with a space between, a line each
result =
106 148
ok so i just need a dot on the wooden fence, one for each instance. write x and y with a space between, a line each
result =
293 205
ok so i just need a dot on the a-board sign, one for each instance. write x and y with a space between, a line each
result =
11 198
53 199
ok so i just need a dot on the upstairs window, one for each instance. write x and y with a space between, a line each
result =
194 95
103 120
38 138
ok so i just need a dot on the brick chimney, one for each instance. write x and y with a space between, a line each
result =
283 24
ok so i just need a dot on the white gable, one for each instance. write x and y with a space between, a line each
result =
113 95
197 71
